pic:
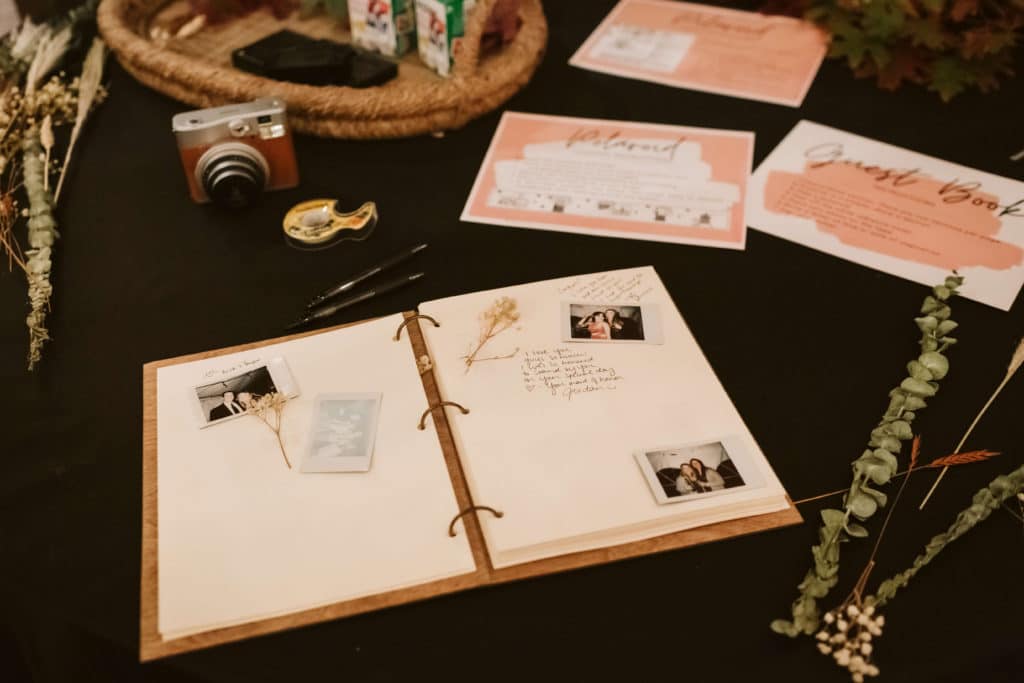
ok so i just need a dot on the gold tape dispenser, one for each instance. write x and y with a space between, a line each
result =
319 224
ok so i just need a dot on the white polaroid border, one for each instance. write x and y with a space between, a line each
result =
360 463
276 367
739 454
649 315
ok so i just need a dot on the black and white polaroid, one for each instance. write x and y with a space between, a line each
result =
228 392
626 323
343 434
680 473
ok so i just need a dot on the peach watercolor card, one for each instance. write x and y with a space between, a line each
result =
893 210
615 179
723 51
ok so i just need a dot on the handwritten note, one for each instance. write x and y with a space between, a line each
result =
241 366
624 288
564 373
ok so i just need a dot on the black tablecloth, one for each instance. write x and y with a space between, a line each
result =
807 346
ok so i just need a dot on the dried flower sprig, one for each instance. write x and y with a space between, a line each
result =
1016 361
500 316
32 104
269 408
878 463
89 90
851 628
953 460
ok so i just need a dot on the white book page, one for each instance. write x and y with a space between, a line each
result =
242 537
552 432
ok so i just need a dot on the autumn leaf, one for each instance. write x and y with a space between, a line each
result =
949 77
906 65
961 9
927 32
981 41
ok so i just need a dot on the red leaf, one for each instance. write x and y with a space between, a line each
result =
962 9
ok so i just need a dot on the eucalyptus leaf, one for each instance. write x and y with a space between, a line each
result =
856 530
888 458
928 323
919 371
915 403
917 387
833 518
936 363
942 292
901 429
945 327
929 344
891 444
930 304
875 494
862 506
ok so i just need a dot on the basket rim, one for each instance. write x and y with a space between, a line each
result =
395 100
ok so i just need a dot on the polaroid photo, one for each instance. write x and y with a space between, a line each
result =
612 323
227 392
698 470
344 430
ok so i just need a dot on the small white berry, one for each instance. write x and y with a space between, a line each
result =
880 620
842 625
852 610
824 649
822 636
829 618
869 610
857 678
866 649
863 620
872 670
864 635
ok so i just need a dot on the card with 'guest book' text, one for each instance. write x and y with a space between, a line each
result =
893 210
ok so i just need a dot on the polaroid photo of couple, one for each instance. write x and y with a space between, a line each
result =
227 393
680 473
601 322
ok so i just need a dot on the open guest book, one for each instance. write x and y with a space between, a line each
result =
494 436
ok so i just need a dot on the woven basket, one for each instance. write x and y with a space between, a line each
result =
198 70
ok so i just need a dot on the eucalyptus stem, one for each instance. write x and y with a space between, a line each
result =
985 501
42 234
878 463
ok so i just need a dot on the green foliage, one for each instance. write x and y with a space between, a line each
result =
946 45
878 463
983 504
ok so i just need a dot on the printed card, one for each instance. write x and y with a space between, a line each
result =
344 429
893 210
615 179
723 51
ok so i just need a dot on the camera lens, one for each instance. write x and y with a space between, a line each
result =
233 175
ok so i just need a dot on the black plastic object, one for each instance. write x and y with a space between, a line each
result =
293 57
